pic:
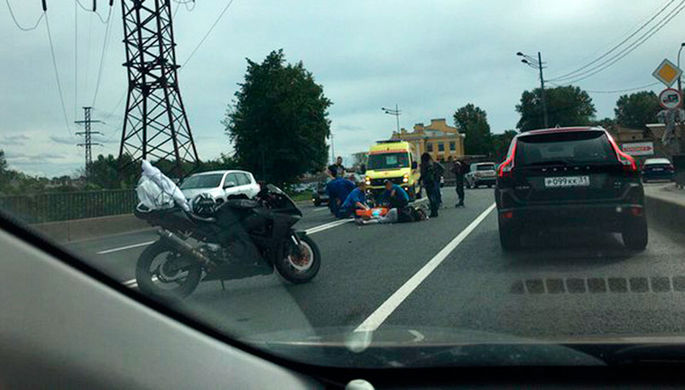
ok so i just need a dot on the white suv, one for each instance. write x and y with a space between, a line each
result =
220 185
482 173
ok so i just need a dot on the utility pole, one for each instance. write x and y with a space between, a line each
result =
155 124
87 136
537 64
396 113
542 90
332 148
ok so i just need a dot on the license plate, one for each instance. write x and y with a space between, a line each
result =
657 169
567 181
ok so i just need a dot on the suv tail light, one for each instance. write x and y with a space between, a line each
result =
505 170
625 159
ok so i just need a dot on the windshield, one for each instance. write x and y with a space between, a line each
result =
571 148
202 181
455 172
388 161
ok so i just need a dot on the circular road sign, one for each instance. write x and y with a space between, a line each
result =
670 98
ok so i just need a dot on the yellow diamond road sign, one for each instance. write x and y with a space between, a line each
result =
667 72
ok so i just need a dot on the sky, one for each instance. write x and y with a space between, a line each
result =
429 57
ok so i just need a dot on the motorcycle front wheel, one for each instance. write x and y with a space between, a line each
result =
163 272
299 266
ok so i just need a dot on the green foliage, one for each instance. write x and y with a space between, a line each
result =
637 109
472 121
501 144
279 123
113 173
566 106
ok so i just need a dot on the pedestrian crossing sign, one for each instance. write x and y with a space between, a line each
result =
667 72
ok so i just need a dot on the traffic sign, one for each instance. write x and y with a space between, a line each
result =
667 72
670 98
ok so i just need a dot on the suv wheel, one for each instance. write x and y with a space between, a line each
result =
509 237
635 235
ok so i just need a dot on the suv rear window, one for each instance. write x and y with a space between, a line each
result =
564 148
485 167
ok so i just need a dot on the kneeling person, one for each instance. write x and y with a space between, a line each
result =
355 200
397 200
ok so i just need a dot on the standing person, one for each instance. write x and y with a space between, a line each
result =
337 169
355 200
460 168
430 179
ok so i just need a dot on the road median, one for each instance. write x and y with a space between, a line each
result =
88 228
666 207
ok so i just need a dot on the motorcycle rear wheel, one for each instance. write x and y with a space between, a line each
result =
300 269
152 279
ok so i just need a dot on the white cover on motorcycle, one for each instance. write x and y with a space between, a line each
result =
156 191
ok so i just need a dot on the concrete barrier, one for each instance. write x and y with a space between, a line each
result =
83 229
665 207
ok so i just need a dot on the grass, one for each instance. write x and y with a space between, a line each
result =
301 196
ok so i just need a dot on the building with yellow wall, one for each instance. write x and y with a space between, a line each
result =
441 141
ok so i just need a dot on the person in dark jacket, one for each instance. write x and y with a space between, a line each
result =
431 172
338 189
460 168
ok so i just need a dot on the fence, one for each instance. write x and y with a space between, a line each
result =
37 208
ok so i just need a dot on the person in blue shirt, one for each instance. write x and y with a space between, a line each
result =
395 196
355 200
338 189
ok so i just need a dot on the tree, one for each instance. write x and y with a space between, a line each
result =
113 173
637 109
472 121
566 106
4 176
501 144
279 122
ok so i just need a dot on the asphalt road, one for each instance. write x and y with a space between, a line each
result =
447 272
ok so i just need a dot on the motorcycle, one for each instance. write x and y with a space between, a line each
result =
240 238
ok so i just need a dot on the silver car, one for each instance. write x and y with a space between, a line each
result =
482 173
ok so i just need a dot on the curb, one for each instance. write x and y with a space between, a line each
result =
665 212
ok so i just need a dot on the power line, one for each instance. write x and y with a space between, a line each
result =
54 65
208 32
102 57
629 49
16 22
611 91
104 21
626 89
616 46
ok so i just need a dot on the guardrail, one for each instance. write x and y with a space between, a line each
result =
64 206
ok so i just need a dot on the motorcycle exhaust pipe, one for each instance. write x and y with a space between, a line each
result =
184 247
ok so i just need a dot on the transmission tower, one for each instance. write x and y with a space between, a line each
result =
87 134
155 124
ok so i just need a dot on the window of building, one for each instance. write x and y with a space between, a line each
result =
441 147
453 146
429 146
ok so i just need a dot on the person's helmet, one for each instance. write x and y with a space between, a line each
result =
204 205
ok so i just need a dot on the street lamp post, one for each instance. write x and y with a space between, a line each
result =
537 64
396 113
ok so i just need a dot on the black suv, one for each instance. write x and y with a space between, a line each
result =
569 177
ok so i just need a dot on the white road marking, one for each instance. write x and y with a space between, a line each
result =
327 226
388 307
123 248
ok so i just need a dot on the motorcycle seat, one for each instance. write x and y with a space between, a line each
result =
242 203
